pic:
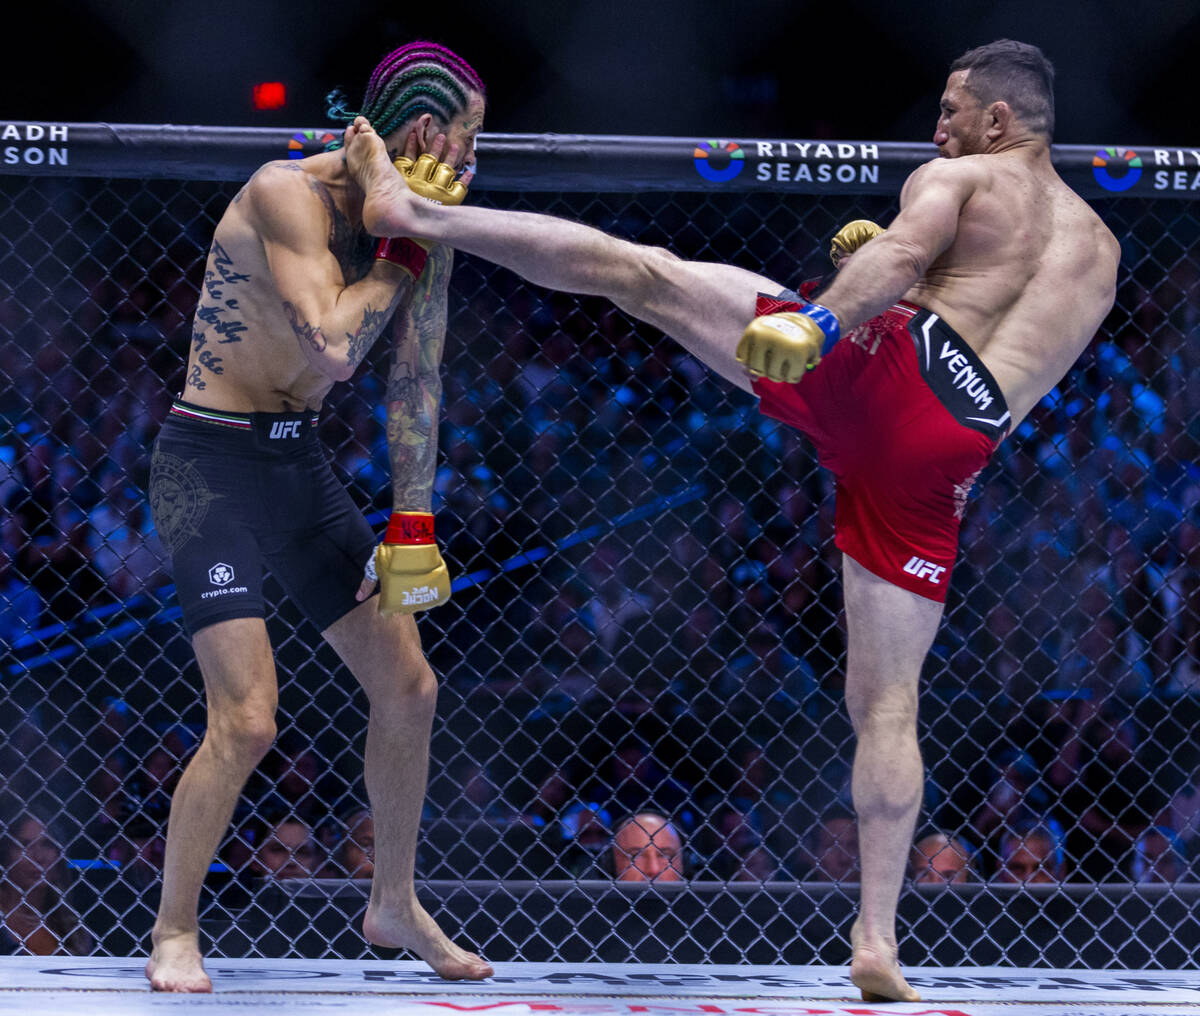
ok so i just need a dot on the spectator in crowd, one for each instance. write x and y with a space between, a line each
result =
122 542
139 851
938 859
356 852
1184 672
1112 802
587 835
834 854
1017 795
741 855
1032 854
478 799
112 806
294 779
633 780
20 604
544 811
647 848
1182 814
615 607
33 892
288 850
155 781
1158 856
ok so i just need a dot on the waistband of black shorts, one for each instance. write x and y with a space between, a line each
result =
956 375
272 429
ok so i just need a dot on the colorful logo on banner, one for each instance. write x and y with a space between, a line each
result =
1116 169
308 143
718 162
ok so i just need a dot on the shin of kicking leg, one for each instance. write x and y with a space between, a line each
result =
703 306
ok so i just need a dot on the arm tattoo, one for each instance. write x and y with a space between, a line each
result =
363 338
414 391
305 332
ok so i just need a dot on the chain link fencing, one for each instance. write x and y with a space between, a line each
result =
647 618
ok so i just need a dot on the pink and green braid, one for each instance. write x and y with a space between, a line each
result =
419 78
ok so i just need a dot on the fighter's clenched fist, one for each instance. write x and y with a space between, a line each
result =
783 347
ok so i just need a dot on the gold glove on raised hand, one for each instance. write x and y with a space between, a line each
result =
435 181
852 236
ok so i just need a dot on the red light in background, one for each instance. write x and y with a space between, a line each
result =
270 95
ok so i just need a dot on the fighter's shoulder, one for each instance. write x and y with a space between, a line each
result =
963 173
278 177
272 196
1082 218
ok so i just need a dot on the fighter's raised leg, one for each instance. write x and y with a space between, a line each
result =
703 306
239 682
384 654
890 630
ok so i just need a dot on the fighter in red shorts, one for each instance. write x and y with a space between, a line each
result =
957 320
905 415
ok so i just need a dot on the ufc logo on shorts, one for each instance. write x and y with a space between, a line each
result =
923 569
285 428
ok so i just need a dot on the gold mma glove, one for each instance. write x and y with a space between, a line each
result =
412 574
781 347
434 181
852 236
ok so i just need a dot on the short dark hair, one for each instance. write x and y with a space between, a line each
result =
1013 72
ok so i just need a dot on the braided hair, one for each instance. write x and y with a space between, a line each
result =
419 78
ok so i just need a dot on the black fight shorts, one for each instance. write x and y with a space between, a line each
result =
233 492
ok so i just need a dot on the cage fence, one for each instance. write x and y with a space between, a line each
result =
647 608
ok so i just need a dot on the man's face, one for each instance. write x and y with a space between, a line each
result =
939 863
648 850
463 129
289 852
963 122
360 848
1032 863
837 858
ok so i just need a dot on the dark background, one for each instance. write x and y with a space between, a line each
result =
852 69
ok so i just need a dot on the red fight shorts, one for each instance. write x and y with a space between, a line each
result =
905 415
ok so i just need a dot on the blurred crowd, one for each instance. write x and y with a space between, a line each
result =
680 602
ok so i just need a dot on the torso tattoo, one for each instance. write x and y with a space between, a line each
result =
218 315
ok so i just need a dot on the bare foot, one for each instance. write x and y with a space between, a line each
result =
874 970
419 933
176 965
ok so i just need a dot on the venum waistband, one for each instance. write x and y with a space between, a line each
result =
957 376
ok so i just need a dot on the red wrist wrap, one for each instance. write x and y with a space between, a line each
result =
410 528
400 250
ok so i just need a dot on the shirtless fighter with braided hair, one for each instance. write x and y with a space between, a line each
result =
295 292
936 338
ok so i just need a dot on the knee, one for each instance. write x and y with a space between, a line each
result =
242 733
888 708
410 688
649 271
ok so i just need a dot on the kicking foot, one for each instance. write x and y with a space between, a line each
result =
175 964
416 931
874 970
